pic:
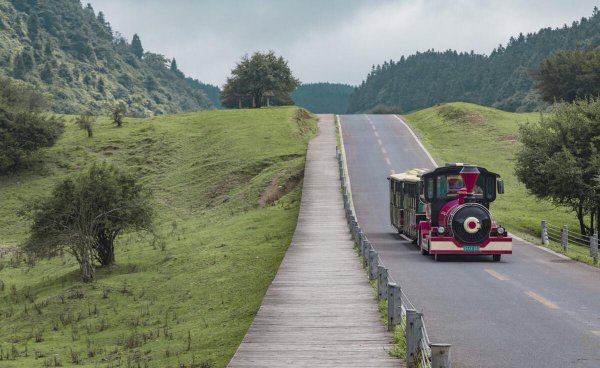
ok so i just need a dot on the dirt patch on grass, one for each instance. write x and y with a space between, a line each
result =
278 188
8 249
302 117
452 114
509 138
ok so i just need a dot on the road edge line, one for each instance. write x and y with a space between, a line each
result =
418 140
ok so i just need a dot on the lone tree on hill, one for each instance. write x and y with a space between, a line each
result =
569 75
560 159
255 76
136 46
118 113
85 215
86 121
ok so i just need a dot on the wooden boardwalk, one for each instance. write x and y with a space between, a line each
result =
320 309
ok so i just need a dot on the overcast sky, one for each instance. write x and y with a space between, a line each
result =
326 40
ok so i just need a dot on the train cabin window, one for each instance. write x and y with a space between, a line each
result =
442 187
429 189
490 187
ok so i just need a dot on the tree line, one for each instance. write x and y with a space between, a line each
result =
504 79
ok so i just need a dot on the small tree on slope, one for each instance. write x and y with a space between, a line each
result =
85 215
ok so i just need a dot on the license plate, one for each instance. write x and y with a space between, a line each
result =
471 249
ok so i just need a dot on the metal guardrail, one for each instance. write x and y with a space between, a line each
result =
420 351
562 236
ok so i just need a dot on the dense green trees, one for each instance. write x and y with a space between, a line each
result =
568 75
322 98
502 79
258 79
23 128
84 216
136 46
560 159
68 51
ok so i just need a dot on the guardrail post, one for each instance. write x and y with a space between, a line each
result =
372 264
394 296
544 233
564 237
594 247
361 244
366 249
413 337
440 356
382 281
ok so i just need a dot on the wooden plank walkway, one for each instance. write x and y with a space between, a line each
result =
320 309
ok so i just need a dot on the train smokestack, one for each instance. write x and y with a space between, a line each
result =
469 176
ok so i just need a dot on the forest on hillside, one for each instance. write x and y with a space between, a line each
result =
71 53
504 79
323 98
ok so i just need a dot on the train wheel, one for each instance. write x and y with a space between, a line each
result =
496 257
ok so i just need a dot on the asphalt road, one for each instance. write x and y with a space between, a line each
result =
532 309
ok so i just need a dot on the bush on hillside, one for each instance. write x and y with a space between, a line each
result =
23 128
84 216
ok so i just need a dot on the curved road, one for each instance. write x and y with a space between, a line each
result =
532 309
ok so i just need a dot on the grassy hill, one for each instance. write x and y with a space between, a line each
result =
463 132
226 190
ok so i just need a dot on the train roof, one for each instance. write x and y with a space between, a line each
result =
413 175
454 169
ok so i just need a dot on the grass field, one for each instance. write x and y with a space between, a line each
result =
226 187
462 132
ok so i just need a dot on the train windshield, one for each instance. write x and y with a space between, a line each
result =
448 186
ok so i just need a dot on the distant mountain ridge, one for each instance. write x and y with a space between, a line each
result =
322 98
502 80
72 54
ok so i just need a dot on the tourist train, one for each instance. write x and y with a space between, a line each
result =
447 210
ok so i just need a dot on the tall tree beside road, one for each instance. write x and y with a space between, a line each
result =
256 75
568 75
560 159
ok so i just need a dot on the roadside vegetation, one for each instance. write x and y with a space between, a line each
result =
225 190
463 132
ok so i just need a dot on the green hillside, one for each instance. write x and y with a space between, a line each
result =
226 188
72 53
462 132
323 98
502 79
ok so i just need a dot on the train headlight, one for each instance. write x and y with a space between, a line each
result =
501 230
441 230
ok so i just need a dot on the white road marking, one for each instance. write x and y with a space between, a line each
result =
418 141
373 126
383 150
376 134
597 333
542 300
388 161
379 142
393 171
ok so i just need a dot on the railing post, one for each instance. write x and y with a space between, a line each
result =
440 356
372 264
564 237
394 294
594 247
382 280
544 233
366 249
413 337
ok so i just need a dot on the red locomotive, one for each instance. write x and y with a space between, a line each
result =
446 210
